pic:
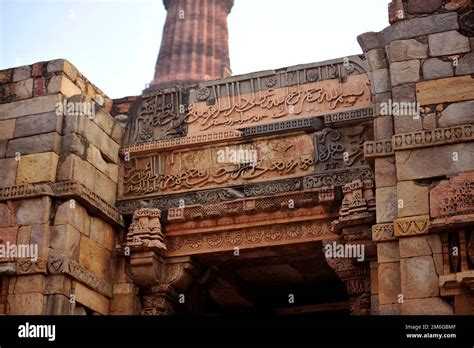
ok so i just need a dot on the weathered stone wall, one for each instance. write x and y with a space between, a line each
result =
421 71
59 159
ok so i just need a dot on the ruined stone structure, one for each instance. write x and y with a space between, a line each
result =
226 195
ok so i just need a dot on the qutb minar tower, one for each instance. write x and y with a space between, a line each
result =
194 46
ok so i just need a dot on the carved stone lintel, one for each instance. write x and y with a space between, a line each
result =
411 226
383 233
28 266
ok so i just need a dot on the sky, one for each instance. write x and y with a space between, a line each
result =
115 43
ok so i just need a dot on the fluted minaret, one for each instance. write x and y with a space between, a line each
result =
194 47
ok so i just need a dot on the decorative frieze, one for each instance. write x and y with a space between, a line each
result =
25 191
302 124
381 148
28 266
383 232
453 197
411 226
63 265
260 236
349 116
200 139
253 205
338 178
274 187
439 136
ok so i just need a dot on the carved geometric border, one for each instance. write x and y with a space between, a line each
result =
262 236
383 232
181 142
434 137
287 201
411 226
381 148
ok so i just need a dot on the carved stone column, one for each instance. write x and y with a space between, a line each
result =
163 280
354 225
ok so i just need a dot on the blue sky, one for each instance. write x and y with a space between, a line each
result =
114 43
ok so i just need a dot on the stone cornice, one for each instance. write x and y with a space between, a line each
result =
92 202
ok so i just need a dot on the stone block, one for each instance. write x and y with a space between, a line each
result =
386 206
405 72
435 68
454 5
448 43
94 157
105 188
445 90
58 284
423 6
39 105
72 213
456 114
91 299
94 257
6 76
72 144
38 124
376 59
466 64
434 161
415 246
429 121
8 173
62 65
380 81
5 215
21 73
30 283
74 168
3 148
407 123
385 172
420 26
413 199
40 236
26 304
382 100
369 41
389 282
65 239
383 126
24 235
8 234
102 233
37 168
22 89
388 252
402 50
7 129
418 277
96 136
61 84
46 142
426 306
404 94
58 305
33 211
